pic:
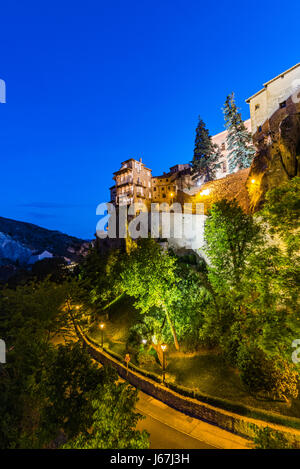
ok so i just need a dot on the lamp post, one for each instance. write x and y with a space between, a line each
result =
172 195
164 348
102 331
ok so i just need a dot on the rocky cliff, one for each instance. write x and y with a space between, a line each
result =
278 153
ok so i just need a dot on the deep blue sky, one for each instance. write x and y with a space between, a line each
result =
92 83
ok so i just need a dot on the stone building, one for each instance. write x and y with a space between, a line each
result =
132 184
165 187
275 121
273 97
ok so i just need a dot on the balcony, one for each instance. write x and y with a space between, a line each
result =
124 182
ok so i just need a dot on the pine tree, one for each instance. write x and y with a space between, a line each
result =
206 154
239 140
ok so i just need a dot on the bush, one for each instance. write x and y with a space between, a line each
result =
274 377
144 358
266 438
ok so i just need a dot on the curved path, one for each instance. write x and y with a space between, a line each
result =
171 429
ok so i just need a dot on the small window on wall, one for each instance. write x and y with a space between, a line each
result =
223 146
224 168
154 189
164 196
282 105
259 128
257 106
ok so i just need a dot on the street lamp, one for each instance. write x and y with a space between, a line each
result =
164 348
102 331
172 195
144 341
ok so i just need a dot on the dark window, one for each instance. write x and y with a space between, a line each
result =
154 189
260 128
223 147
257 106
282 105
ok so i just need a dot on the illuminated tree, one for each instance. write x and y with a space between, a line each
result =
239 140
149 276
206 154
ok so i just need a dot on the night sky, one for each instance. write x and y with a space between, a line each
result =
93 83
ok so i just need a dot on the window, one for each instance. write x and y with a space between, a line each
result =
154 189
224 168
223 146
257 106
259 128
282 105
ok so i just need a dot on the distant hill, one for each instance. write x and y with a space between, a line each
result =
24 243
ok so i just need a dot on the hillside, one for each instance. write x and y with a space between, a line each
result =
22 242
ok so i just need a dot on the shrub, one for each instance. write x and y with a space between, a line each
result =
266 438
145 359
274 377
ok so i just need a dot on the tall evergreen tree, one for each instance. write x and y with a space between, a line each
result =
239 140
206 154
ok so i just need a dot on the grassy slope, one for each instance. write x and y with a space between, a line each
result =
205 370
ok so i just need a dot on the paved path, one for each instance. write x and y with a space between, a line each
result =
170 429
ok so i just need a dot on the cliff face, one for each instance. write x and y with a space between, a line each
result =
278 153
14 251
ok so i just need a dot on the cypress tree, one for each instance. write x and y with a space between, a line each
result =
206 154
239 140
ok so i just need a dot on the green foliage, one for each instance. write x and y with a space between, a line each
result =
231 236
53 268
168 293
282 213
254 296
113 421
100 279
267 438
47 393
274 376
149 276
239 140
206 154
